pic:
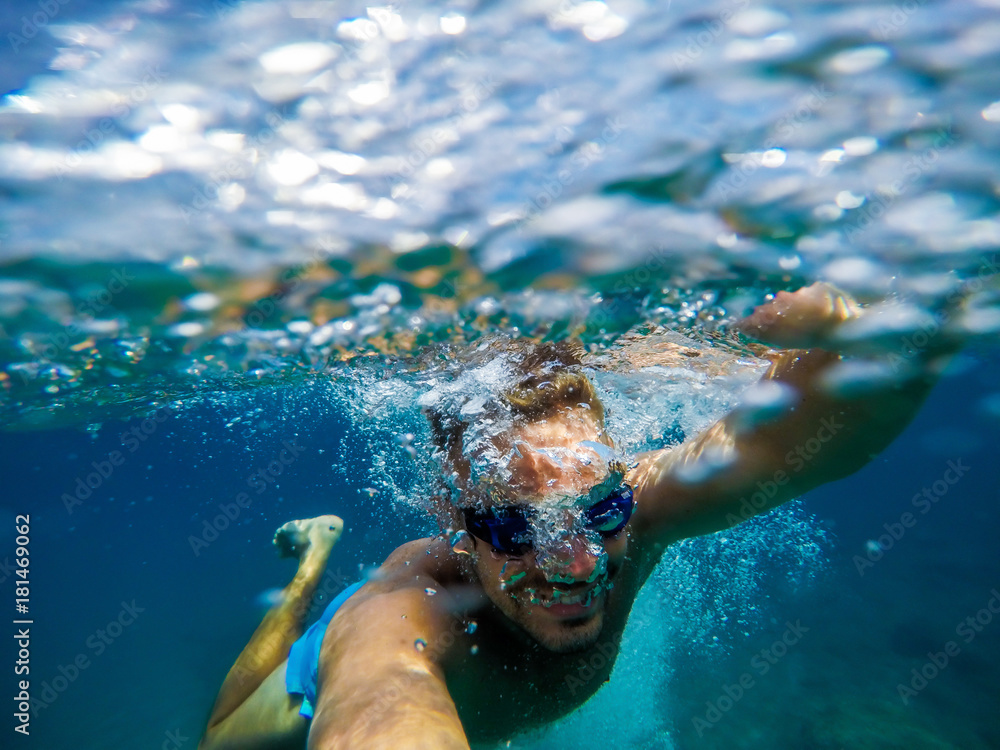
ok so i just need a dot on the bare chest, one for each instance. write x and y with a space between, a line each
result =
507 684
498 697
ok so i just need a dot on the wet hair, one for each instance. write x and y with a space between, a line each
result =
552 378
546 379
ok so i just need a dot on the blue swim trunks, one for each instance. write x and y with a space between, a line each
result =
303 657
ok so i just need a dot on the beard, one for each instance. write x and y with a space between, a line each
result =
570 636
567 635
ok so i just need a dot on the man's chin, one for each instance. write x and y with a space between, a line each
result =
567 634
560 629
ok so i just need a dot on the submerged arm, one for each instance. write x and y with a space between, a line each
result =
803 432
381 681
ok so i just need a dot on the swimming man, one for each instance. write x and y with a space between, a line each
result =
469 637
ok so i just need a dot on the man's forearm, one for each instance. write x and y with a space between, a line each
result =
425 730
408 712
840 412
829 429
747 464
814 418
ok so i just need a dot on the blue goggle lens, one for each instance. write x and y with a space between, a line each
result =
507 529
608 516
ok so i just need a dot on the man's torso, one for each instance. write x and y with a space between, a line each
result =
501 680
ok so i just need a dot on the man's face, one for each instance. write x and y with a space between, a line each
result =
557 591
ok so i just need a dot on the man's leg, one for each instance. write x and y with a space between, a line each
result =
268 720
310 540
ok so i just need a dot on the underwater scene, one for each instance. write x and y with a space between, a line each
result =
247 247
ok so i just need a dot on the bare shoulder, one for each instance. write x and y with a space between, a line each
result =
638 476
653 506
403 607
676 487
651 471
421 579
430 558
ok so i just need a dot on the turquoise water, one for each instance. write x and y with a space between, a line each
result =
268 221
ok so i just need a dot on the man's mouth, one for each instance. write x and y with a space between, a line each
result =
567 601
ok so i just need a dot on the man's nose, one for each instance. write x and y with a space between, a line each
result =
574 560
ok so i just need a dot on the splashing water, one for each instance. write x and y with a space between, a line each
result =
460 543
344 200
367 182
512 572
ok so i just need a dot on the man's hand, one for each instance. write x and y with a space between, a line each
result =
803 319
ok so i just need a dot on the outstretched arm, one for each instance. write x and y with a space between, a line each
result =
804 426
381 678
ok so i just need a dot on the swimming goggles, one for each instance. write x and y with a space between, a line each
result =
508 528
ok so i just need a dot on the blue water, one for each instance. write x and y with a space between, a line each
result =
130 542
595 178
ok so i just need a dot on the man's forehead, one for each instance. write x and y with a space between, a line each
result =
560 452
557 481
563 455
573 433
572 423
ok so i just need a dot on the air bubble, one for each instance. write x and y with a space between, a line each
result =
508 580
420 644
460 543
